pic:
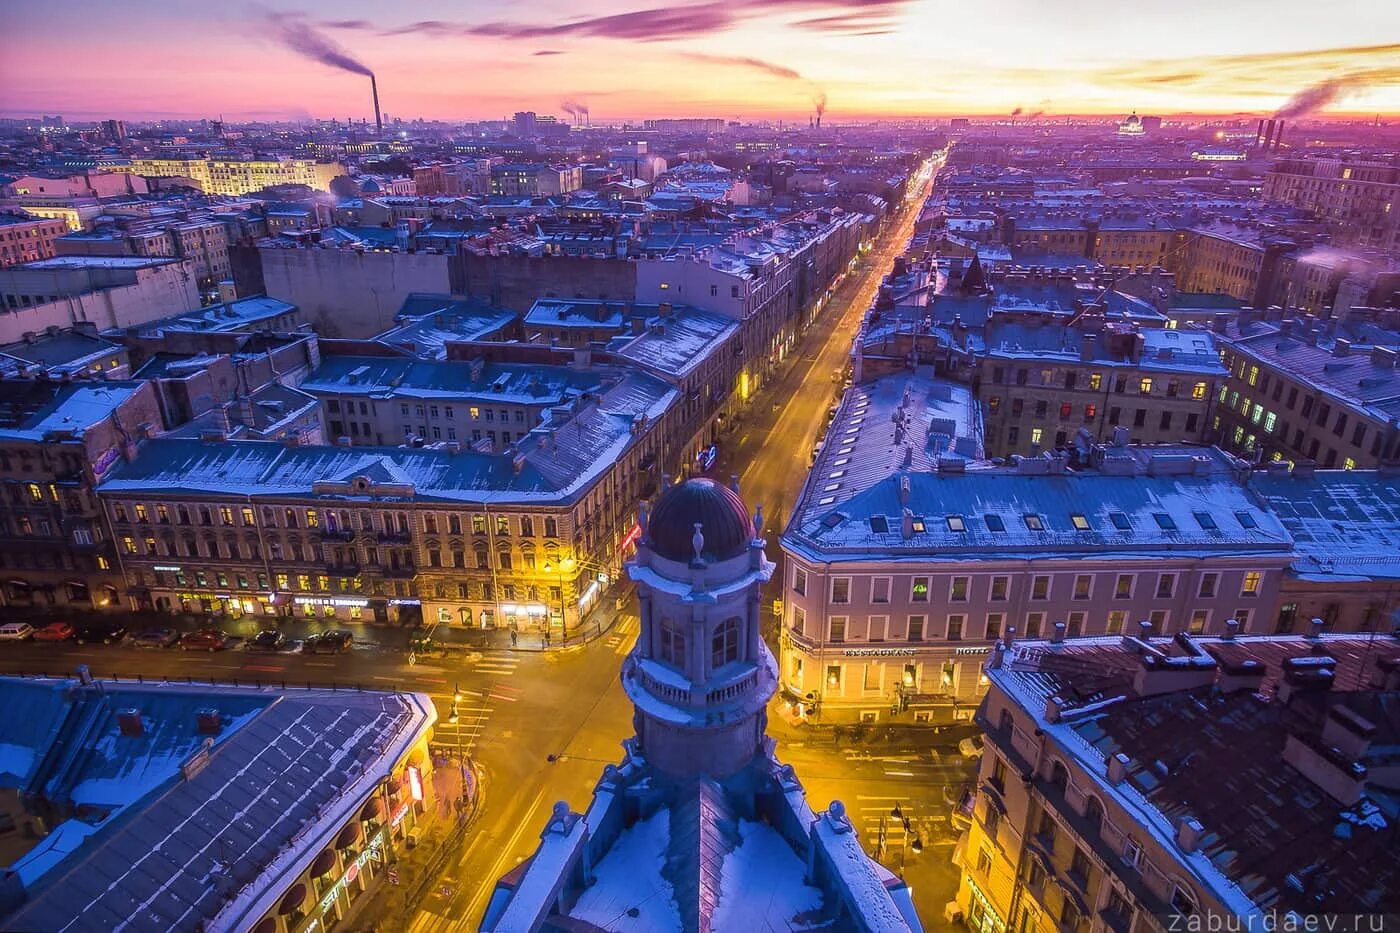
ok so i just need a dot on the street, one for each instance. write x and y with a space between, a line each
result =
540 725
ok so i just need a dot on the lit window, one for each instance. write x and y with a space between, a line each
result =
1080 522
1034 523
1252 579
956 523
1145 386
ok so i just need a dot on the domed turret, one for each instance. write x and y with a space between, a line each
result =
725 525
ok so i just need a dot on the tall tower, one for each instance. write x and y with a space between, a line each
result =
700 675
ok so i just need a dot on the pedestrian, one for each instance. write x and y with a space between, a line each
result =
546 639
514 638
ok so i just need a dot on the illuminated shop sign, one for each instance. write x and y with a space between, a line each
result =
523 609
166 568
405 602
415 783
879 652
352 871
329 601
973 649
706 458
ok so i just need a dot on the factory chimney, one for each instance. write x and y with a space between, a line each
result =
1278 135
1259 134
1268 135
378 121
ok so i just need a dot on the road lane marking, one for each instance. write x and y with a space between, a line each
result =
889 773
489 880
266 668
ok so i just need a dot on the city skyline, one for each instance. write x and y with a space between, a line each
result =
771 60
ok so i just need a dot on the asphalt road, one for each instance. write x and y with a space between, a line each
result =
541 725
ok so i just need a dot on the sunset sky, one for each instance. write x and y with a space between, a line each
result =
765 58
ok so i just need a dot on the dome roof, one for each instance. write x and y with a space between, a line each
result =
724 521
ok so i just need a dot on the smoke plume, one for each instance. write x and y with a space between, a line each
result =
296 35
1016 112
819 102
1317 96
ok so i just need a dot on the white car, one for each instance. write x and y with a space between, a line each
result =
971 747
16 631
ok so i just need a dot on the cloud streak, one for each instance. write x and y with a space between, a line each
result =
663 24
744 61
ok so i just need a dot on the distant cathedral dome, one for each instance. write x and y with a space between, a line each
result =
724 521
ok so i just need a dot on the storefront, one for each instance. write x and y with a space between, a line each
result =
357 859
934 684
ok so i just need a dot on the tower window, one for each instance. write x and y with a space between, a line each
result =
724 647
672 647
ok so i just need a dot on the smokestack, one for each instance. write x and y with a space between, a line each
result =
1268 134
1259 134
1278 134
378 121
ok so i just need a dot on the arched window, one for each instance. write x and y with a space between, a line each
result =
724 646
1004 722
1093 816
671 644
1059 776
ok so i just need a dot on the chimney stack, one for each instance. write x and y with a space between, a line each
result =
1268 135
1278 135
1259 134
378 121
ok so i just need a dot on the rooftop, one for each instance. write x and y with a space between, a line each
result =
552 464
150 833
1223 731
29 409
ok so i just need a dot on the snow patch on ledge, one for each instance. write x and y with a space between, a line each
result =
629 878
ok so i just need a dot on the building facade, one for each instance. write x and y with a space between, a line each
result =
1109 793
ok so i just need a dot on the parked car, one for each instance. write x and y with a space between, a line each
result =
269 640
336 641
971 747
105 633
55 631
16 631
155 638
206 639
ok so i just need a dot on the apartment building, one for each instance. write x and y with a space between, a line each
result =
490 406
534 179
1133 783
908 555
1299 390
238 176
1360 201
1040 385
529 536
26 239
119 291
57 441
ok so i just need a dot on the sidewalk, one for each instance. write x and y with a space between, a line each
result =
441 832
385 635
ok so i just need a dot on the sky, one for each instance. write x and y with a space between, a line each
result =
622 59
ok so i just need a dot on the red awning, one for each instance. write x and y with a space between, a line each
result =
374 808
324 863
349 835
293 899
266 925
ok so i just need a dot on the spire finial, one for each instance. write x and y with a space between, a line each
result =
758 521
697 541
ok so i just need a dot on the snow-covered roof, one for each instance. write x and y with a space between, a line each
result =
1345 524
556 471
283 774
1273 839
